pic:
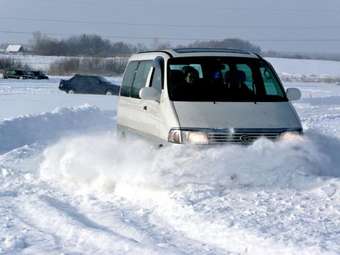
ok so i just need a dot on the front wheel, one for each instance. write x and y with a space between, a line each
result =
109 93
121 134
70 91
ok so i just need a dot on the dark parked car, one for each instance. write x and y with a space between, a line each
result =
24 74
89 84
15 74
37 75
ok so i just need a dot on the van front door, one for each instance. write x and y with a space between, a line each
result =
135 114
137 117
151 108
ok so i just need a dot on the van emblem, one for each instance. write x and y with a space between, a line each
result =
245 139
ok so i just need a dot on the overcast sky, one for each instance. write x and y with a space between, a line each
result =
289 25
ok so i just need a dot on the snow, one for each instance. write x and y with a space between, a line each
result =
306 66
68 185
13 48
40 62
288 69
306 70
59 122
21 97
36 62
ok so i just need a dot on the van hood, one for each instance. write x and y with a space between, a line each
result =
236 115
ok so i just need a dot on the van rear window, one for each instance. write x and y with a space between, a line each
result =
222 79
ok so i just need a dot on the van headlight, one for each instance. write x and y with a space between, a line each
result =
291 136
188 137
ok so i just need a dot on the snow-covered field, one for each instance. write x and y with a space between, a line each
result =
69 186
307 70
297 70
39 62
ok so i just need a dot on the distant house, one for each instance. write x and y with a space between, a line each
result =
14 48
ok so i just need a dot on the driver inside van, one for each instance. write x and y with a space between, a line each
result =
235 82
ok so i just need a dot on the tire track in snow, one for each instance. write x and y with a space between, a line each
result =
194 225
140 223
162 186
76 231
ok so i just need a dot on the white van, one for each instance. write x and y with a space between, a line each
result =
204 96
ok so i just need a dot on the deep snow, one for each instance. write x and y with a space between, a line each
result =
69 186
22 97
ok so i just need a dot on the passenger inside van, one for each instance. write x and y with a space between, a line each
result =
215 73
191 75
208 80
235 84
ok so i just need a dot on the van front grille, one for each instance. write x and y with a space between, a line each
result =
244 136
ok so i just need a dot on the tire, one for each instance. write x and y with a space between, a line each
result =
71 91
109 93
121 134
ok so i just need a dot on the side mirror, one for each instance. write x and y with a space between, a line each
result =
149 93
293 94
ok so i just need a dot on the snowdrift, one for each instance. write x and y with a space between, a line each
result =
43 128
102 162
244 200
100 194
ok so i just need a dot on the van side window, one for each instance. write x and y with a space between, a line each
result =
128 79
245 75
141 77
224 69
271 85
156 81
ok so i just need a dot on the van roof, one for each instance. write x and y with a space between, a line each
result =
203 52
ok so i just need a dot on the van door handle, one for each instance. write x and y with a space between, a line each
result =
145 108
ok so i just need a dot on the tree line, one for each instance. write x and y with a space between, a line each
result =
82 45
96 46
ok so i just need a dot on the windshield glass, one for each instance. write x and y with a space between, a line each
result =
222 79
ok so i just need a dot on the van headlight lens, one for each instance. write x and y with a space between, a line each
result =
188 137
195 137
175 136
291 136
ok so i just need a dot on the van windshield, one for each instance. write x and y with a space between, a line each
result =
223 79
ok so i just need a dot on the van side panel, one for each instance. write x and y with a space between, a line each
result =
168 117
146 117
168 114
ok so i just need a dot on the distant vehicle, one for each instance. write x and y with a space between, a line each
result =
88 84
37 75
24 74
204 96
15 74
